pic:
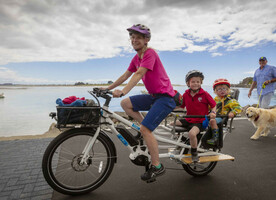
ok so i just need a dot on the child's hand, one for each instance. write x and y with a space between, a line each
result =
231 115
212 115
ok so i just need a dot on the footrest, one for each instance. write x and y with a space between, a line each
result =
204 159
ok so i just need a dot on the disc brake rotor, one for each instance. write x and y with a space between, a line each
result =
78 166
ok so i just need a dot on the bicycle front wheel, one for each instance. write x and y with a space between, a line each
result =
62 167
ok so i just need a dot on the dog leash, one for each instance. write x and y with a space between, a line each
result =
263 87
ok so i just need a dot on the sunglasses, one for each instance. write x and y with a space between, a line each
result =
222 89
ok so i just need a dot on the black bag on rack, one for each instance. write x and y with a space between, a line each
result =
86 115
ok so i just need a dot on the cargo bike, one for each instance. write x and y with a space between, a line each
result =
82 157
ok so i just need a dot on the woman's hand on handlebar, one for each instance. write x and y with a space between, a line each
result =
118 93
101 91
103 88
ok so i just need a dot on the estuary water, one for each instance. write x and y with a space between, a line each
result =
25 110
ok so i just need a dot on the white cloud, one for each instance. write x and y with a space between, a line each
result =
9 76
72 31
216 54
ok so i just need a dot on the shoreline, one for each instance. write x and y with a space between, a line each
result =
51 133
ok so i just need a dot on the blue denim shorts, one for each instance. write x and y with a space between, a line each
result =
158 107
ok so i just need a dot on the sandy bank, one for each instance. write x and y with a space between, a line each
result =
51 133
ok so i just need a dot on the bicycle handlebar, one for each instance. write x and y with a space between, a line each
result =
106 95
101 93
177 112
202 116
97 92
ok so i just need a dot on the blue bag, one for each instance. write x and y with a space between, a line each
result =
205 123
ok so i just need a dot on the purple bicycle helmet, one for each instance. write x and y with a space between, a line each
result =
140 28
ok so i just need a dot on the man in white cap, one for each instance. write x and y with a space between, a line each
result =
265 74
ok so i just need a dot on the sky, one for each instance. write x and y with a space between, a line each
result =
67 41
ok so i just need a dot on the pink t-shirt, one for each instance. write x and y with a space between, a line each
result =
156 79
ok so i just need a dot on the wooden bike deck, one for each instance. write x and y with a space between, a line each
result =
204 159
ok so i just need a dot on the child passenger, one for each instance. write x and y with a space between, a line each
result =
226 105
197 102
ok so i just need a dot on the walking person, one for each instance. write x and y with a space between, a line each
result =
265 74
146 66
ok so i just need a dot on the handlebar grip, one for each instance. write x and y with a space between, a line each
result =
100 92
109 92
202 116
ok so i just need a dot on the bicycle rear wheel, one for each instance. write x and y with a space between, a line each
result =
198 169
61 162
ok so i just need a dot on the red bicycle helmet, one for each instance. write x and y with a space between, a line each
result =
221 81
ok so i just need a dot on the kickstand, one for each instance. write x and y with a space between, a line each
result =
147 166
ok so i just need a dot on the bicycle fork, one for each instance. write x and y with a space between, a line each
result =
88 146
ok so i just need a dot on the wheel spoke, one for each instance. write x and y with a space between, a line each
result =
198 169
66 173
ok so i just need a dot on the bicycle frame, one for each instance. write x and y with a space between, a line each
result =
106 119
86 150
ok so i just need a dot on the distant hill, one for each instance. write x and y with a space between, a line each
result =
245 83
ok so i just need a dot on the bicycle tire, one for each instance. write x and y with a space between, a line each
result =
198 169
62 169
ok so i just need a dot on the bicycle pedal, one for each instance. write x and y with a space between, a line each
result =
151 180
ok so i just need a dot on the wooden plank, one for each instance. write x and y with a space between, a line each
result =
205 159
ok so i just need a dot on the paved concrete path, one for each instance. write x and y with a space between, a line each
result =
20 170
251 176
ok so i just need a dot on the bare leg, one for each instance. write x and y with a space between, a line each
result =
177 123
213 124
128 108
192 135
146 133
151 144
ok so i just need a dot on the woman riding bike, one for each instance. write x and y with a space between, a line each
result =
146 66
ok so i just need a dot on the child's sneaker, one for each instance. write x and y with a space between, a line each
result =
214 139
152 173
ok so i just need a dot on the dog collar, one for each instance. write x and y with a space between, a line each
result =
256 118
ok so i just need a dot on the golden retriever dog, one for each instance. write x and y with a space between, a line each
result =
262 119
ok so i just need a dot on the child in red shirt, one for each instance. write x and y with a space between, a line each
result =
197 102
